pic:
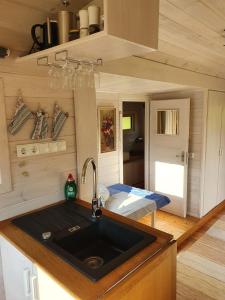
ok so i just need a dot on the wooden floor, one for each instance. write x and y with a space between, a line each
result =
201 263
172 224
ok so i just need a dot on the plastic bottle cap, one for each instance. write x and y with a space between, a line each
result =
70 178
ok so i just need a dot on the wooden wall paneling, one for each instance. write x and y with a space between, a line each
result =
32 86
86 137
45 103
5 171
37 180
129 27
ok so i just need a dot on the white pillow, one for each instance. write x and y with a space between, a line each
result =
103 192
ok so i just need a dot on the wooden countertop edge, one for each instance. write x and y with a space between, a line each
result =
65 275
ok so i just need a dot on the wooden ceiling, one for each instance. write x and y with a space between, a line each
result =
110 83
190 31
191 35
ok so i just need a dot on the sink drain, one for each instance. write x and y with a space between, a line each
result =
94 262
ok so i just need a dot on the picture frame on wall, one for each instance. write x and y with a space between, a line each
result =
107 129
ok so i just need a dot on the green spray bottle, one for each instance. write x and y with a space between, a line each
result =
70 188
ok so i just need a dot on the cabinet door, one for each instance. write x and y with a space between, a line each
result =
49 289
17 271
212 159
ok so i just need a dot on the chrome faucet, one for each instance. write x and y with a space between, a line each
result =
96 211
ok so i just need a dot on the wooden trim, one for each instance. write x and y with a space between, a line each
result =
183 238
203 161
5 171
141 99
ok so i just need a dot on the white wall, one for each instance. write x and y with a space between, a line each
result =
196 144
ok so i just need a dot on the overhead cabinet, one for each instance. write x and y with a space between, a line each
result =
214 179
130 28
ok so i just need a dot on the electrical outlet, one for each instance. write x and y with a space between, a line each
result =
21 151
52 147
32 149
40 148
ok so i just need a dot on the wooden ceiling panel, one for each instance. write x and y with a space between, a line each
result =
190 35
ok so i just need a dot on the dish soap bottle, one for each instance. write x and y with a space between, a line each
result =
70 188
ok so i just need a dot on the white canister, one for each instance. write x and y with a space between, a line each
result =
84 32
84 22
94 15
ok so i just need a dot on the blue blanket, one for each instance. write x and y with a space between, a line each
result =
160 200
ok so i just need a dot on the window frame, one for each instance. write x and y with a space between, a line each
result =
133 119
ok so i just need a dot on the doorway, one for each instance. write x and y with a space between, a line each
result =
133 131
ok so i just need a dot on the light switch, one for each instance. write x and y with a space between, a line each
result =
61 146
52 147
43 148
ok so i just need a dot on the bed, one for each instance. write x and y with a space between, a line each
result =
134 203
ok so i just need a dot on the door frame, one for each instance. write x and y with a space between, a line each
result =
142 99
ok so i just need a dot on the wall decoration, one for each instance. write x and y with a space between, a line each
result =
21 115
59 118
107 129
41 126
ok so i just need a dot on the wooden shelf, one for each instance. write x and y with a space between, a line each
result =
99 45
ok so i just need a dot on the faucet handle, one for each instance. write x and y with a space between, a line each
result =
96 211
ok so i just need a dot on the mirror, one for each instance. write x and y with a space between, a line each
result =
167 122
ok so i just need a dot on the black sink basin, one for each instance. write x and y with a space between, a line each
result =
94 247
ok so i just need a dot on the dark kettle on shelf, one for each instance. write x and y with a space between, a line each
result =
49 34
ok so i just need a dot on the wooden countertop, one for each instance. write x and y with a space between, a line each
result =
75 283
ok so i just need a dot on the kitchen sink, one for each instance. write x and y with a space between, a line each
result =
94 247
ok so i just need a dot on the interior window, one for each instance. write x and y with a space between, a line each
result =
128 122
167 122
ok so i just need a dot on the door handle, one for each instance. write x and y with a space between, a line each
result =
181 156
26 280
34 287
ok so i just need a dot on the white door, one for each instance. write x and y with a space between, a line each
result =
169 140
